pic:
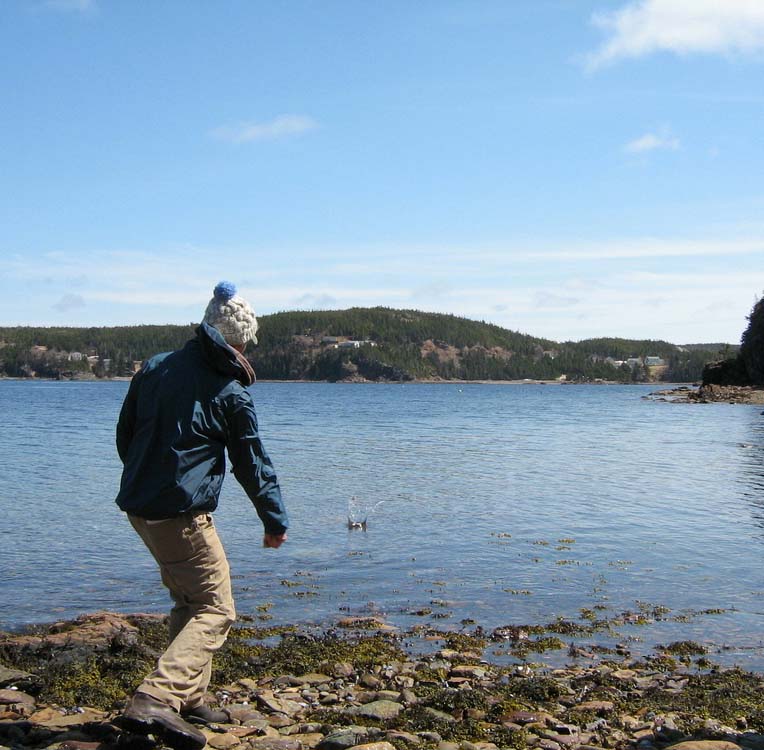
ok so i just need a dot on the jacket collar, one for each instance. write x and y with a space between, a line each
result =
222 357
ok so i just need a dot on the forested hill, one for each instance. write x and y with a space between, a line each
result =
362 344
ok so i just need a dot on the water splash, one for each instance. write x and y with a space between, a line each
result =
359 512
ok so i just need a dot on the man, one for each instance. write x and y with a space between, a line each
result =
183 410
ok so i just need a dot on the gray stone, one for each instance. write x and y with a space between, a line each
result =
13 697
430 736
344 738
370 681
440 715
705 745
312 678
268 743
381 710
407 737
409 697
469 670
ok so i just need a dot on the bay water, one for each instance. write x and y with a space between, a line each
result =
485 504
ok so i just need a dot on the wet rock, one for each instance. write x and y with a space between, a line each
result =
312 727
705 745
623 675
248 684
343 669
525 717
243 713
309 740
222 741
277 721
598 707
312 678
271 703
76 640
439 715
430 737
10 677
364 623
344 738
388 695
251 731
380 710
49 717
468 670
17 702
268 743
408 697
370 681
375 746
406 737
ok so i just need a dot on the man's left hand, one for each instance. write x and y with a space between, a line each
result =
274 540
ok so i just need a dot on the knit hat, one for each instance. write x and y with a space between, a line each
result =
231 315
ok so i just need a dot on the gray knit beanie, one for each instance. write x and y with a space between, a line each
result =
231 315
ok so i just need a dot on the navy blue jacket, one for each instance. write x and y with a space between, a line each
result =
182 411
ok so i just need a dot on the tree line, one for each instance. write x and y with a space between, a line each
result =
398 345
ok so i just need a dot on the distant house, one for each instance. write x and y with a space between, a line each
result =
655 361
352 344
329 340
75 356
634 362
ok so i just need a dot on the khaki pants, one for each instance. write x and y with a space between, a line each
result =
194 568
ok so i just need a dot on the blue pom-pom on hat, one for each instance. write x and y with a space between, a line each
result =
224 291
231 315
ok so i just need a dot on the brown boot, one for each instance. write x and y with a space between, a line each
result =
203 714
147 715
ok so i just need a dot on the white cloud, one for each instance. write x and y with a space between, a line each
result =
652 142
547 299
69 302
312 301
643 27
624 287
280 127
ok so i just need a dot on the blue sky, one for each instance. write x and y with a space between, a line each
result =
565 168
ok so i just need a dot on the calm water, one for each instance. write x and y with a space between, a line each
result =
504 504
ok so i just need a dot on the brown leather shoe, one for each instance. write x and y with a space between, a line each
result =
147 715
203 714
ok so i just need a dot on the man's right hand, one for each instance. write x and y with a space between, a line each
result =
274 540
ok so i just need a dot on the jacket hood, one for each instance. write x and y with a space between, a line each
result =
222 357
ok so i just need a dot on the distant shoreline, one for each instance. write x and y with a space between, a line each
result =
417 381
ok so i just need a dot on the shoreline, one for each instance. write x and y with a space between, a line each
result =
437 381
361 682
707 394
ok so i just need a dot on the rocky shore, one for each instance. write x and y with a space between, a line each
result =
364 685
711 393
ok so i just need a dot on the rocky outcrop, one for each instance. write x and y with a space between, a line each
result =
747 368
711 393
383 698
